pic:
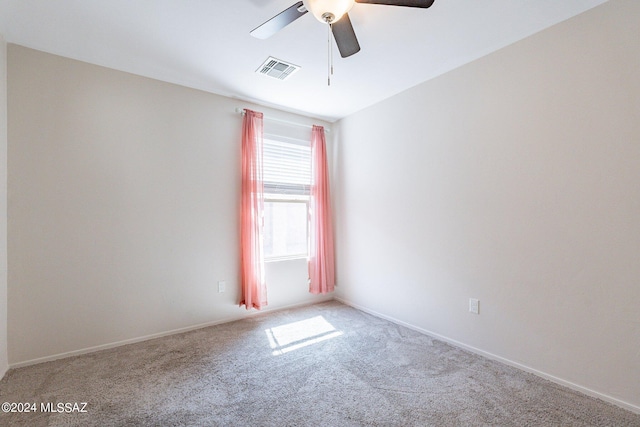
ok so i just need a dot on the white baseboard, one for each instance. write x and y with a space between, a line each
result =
625 405
107 346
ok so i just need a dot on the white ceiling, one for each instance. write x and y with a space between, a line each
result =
205 44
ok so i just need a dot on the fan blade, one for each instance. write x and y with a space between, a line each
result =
408 3
345 37
279 21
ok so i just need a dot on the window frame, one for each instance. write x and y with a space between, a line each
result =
290 198
298 199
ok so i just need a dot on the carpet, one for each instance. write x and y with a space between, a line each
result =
320 365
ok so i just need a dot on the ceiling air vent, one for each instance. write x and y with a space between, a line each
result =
277 68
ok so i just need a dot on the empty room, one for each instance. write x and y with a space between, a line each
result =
320 213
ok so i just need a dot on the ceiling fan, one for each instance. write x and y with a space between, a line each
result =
332 12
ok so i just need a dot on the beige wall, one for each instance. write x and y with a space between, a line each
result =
515 180
4 364
123 208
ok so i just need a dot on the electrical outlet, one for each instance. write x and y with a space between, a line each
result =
474 306
222 286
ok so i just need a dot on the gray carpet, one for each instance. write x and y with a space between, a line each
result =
322 365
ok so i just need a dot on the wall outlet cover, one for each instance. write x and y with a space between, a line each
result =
474 306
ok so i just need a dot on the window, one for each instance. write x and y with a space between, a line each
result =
287 179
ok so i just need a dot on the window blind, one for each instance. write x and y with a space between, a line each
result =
286 167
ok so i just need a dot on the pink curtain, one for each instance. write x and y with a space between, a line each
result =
254 289
321 258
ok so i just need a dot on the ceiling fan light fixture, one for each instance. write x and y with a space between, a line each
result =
328 11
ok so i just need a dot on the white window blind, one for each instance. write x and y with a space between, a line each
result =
286 167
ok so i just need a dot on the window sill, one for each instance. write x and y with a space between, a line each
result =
285 258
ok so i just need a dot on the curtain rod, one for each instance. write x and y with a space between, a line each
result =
286 122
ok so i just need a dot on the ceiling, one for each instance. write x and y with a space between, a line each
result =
205 44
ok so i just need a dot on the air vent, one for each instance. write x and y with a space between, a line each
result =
277 68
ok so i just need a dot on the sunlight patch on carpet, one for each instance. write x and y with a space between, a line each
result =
296 335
